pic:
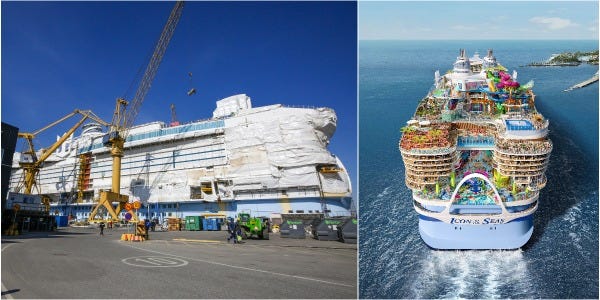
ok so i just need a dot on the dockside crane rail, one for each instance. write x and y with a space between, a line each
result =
124 116
32 165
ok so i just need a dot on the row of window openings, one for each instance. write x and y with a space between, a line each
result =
172 162
163 132
167 214
103 174
96 166
300 211
176 153
151 206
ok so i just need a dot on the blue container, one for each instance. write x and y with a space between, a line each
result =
62 221
211 224
205 224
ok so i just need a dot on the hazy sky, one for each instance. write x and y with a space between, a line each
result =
466 20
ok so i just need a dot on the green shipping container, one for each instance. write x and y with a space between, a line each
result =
193 223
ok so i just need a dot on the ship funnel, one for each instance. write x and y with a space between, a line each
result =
489 60
462 64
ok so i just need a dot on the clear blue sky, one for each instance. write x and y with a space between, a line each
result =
58 56
474 20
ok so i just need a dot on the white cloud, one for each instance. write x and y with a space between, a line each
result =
552 23
461 27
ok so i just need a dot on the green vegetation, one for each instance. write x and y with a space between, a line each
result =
407 129
590 57
437 136
566 57
427 108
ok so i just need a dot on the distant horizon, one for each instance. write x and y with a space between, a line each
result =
516 39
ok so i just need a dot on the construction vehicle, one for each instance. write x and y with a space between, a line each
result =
123 118
29 161
258 226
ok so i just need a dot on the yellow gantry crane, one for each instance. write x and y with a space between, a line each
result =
31 164
123 119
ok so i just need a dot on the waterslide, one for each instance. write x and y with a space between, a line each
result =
501 181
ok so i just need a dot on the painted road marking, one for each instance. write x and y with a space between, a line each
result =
154 261
199 241
4 289
243 268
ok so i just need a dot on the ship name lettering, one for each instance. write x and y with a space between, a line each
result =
493 221
476 222
460 221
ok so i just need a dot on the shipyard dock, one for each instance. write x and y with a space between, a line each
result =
79 263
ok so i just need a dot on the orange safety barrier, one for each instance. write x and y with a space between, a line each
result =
131 237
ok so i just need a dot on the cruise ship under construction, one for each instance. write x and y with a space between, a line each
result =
264 161
475 153
261 160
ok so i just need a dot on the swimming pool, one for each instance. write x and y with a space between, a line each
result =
519 125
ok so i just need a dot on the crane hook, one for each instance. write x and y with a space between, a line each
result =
192 90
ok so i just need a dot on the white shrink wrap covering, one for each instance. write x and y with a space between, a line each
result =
333 183
326 122
299 177
255 183
285 144
232 106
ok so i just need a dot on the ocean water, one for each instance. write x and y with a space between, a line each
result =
560 260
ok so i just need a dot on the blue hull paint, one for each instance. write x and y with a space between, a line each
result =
439 235
262 207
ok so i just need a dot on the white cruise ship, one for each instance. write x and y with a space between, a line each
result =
475 156
263 160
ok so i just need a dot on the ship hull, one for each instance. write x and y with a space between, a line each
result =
258 207
266 161
440 235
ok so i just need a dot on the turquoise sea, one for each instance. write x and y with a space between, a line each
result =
560 260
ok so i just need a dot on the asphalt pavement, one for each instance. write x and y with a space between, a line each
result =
79 263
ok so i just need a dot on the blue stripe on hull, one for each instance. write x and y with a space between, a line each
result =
262 207
439 235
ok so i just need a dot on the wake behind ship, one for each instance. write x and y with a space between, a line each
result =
475 153
264 160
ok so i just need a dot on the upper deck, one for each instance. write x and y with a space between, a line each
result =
474 105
